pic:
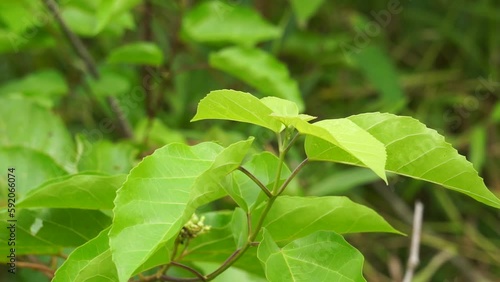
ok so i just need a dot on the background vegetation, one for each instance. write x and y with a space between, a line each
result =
125 77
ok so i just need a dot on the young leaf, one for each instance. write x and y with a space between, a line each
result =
295 217
345 134
321 256
413 150
237 106
90 261
79 191
282 107
161 194
260 70
239 227
218 22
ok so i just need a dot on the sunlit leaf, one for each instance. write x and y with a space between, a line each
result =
237 106
321 256
345 134
260 70
413 150
295 217
161 194
90 261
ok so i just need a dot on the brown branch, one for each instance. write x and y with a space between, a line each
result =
73 39
36 266
84 54
190 269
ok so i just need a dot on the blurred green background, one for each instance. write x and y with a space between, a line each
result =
149 62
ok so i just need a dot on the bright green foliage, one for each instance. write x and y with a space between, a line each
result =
216 22
412 150
86 259
160 195
79 191
321 256
310 214
137 53
260 70
237 106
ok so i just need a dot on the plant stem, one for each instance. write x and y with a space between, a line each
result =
282 154
291 142
239 252
90 64
256 181
272 197
295 172
36 266
190 269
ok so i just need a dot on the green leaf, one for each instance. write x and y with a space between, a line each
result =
48 231
345 134
109 10
46 87
79 191
218 22
322 256
237 106
111 83
264 167
239 227
47 133
260 70
295 217
415 151
32 168
106 157
138 53
282 107
304 10
161 194
90 261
